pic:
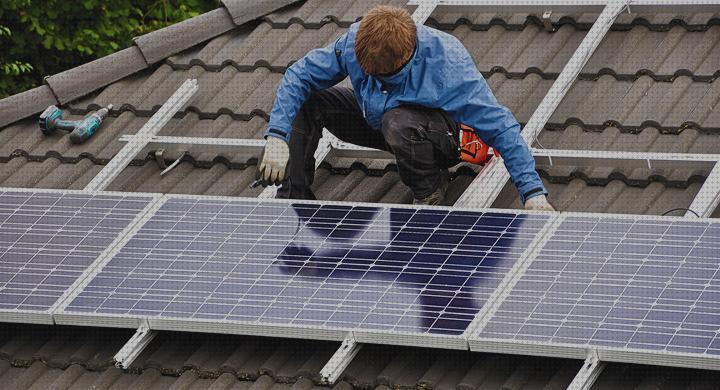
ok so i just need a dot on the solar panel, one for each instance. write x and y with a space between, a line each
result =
637 289
48 239
310 269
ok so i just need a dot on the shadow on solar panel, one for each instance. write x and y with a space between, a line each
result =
312 265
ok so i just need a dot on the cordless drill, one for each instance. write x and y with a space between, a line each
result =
51 120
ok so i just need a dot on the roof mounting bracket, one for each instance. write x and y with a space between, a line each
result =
589 372
159 159
547 23
137 343
174 164
340 360
161 117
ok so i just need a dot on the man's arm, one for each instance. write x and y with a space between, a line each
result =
474 105
319 69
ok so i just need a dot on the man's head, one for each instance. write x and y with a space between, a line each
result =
385 40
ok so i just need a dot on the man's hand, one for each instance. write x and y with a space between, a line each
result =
274 163
538 203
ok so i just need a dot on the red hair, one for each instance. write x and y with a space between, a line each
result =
385 40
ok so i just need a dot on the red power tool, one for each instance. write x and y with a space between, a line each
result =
472 149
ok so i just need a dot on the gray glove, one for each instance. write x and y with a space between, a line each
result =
273 168
538 203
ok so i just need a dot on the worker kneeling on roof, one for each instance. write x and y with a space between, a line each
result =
412 87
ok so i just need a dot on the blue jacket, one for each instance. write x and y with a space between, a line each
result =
441 74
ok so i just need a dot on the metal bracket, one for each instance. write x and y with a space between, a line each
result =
547 22
340 360
174 164
137 343
121 160
708 198
159 159
589 372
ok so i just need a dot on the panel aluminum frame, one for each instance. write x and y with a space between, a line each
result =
102 260
45 317
574 351
494 301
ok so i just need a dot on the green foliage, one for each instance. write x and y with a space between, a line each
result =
43 37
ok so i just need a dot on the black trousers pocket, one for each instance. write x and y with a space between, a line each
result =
445 148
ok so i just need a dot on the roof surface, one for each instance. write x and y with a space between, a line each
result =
80 358
650 86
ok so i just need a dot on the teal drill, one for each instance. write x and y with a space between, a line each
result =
80 131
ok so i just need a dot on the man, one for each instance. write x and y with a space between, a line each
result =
412 86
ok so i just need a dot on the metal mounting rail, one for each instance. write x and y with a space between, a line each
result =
708 198
649 160
483 191
133 347
589 372
110 171
340 360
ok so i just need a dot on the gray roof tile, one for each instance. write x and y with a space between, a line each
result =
160 44
243 11
22 105
80 81
178 360
641 103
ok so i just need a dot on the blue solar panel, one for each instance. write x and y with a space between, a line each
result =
48 239
311 265
625 283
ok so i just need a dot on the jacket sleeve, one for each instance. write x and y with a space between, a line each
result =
319 69
473 104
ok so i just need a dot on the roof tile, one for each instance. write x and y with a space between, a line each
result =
24 104
160 44
74 83
243 11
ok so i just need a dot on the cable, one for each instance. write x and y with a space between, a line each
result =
680 209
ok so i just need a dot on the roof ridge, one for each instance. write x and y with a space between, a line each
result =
147 50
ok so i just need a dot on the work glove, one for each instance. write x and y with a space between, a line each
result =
538 203
273 168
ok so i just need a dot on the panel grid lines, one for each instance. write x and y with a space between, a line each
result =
327 266
48 239
623 283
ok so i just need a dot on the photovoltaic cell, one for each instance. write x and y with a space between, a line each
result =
48 239
627 283
311 265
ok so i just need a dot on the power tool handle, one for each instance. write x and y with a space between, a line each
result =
63 124
85 129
